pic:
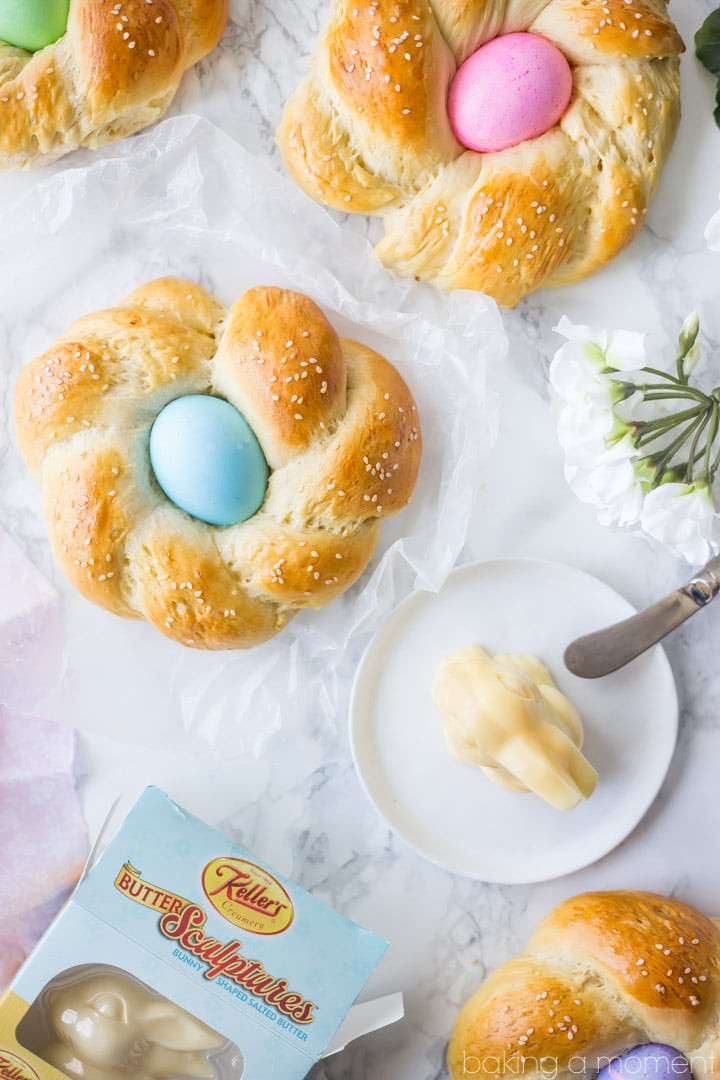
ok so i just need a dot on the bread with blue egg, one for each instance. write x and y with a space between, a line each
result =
262 494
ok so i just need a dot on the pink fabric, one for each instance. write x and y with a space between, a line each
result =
31 652
43 842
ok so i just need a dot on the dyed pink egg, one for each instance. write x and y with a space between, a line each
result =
514 88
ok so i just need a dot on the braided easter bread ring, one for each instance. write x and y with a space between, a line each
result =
368 131
336 423
114 71
603 973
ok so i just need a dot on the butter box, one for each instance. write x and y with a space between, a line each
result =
182 955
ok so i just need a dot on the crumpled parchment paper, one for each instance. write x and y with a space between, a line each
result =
185 199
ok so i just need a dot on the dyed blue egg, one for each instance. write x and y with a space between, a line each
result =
207 460
651 1061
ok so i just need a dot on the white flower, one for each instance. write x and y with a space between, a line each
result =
593 350
609 483
598 445
683 516
578 374
584 426
712 233
603 464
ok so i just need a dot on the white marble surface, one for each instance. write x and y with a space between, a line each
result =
299 805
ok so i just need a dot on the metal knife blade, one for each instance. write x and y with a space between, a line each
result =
607 650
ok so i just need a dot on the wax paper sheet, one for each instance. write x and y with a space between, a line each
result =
185 199
43 841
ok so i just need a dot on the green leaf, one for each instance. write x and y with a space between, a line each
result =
707 47
707 43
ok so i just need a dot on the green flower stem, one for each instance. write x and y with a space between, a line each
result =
675 389
680 365
714 425
653 429
663 459
661 391
664 375
694 456
654 393
699 454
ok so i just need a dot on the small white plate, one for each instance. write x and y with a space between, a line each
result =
450 812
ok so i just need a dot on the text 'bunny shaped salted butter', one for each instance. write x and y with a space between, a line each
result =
108 1025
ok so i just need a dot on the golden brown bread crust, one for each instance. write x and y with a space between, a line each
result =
604 972
115 70
335 420
368 132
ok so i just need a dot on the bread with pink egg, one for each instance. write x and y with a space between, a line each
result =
507 145
612 985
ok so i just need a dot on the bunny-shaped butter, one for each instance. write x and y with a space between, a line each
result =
110 1025
505 715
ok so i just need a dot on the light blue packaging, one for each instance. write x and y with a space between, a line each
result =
204 924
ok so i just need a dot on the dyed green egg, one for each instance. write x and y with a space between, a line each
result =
33 24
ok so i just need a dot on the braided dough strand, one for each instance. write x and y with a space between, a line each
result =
336 422
113 72
604 972
467 24
609 31
368 132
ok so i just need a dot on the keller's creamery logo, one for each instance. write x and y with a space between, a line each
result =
247 896
14 1068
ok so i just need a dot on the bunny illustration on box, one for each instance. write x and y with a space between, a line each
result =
102 1023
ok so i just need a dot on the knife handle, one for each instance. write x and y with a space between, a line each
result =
606 650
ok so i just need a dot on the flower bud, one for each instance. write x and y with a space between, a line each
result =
689 333
693 358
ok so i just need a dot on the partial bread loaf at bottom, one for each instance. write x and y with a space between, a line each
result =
603 973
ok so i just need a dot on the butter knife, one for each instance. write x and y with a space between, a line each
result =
607 650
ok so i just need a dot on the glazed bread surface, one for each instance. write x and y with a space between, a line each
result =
336 423
603 973
368 132
113 72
